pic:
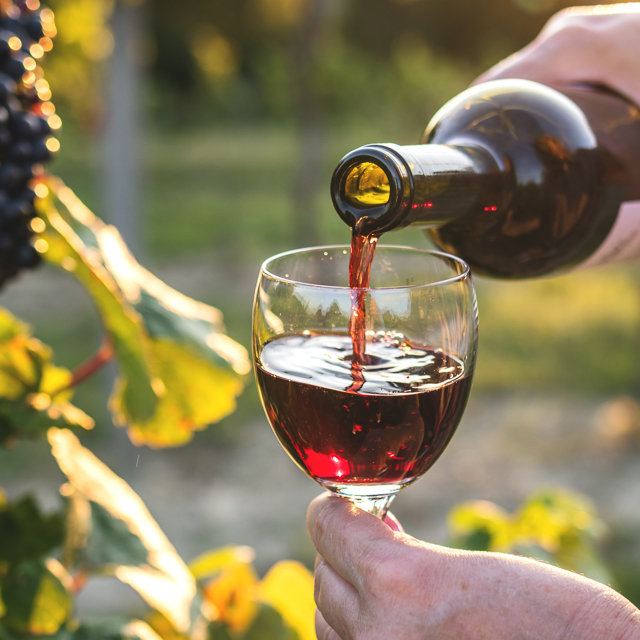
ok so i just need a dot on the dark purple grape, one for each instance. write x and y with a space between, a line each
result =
45 129
17 210
40 151
14 67
4 198
21 151
28 194
13 25
5 48
5 143
27 257
25 125
6 245
7 88
11 175
34 28
23 137
20 231
13 105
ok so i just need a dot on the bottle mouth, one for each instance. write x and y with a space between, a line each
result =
366 186
371 189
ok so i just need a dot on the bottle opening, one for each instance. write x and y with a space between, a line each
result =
367 185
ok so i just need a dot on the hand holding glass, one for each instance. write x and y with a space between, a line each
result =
364 430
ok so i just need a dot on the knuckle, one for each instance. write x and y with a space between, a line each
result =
380 572
321 526
319 582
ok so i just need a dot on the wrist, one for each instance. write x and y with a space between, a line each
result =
604 614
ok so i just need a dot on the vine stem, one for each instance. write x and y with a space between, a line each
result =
96 362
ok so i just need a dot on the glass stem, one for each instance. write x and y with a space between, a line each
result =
375 505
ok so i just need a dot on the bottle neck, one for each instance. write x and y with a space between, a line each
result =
382 187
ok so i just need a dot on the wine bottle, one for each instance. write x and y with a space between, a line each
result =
517 178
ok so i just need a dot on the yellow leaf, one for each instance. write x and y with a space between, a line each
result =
163 627
288 588
483 515
3 610
34 392
210 562
140 630
51 606
233 594
197 394
167 584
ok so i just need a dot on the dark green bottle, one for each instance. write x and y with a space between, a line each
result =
517 178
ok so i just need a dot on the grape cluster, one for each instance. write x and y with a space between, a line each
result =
27 121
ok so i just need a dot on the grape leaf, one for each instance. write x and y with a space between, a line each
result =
36 600
165 582
288 588
197 394
34 394
270 625
182 344
27 534
66 249
111 542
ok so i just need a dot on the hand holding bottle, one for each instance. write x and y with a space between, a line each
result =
375 583
595 45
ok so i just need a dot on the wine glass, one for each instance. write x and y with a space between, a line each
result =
364 430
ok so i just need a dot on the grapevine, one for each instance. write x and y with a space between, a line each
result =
27 123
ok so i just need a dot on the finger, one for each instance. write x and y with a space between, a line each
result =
336 599
323 630
393 522
347 537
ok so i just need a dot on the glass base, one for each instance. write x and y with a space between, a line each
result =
375 499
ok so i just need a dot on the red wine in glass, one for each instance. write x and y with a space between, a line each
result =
364 382
389 431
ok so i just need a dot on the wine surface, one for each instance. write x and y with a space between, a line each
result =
390 430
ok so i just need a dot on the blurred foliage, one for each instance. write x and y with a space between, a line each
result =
241 60
84 41
578 331
105 529
554 525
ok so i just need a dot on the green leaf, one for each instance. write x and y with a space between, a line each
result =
27 534
179 371
35 598
4 634
34 394
111 542
269 625
217 631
